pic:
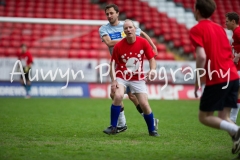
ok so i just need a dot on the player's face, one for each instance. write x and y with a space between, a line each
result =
195 12
112 15
129 29
229 24
24 49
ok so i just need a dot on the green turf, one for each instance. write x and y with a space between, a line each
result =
60 129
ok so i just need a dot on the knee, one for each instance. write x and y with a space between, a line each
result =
131 96
118 96
201 119
112 95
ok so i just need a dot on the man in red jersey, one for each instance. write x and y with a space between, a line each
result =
27 60
111 34
214 56
127 61
232 20
232 23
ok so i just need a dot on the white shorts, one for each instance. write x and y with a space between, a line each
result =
135 86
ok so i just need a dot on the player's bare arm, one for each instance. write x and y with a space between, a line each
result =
200 63
107 40
144 35
151 74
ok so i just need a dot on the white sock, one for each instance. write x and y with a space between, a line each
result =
230 127
121 119
234 113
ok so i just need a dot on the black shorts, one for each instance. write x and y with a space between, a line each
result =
214 98
26 74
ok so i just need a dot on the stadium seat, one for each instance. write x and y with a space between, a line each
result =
161 56
2 52
73 54
161 47
43 52
62 53
11 52
43 38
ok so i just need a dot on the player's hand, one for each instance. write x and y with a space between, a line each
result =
151 75
114 86
235 60
195 91
237 55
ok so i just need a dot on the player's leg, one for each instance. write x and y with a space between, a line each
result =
208 119
134 99
28 82
234 114
215 98
147 113
24 84
231 103
140 90
28 88
117 95
121 125
115 109
234 111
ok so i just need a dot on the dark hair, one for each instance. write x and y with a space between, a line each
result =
114 6
23 45
233 16
205 7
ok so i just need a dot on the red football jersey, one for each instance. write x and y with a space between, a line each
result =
236 43
212 37
26 58
129 58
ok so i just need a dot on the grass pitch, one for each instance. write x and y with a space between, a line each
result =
60 129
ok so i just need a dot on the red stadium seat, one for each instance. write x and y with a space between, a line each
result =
83 54
53 53
169 56
161 56
104 54
11 52
2 52
161 47
34 52
88 44
92 54
43 52
63 53
75 45
73 54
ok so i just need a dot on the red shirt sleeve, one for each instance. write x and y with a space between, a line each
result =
236 38
196 37
30 58
148 50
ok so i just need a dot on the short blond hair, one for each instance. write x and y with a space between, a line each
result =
127 20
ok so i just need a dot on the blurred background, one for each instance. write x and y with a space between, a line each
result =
63 35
